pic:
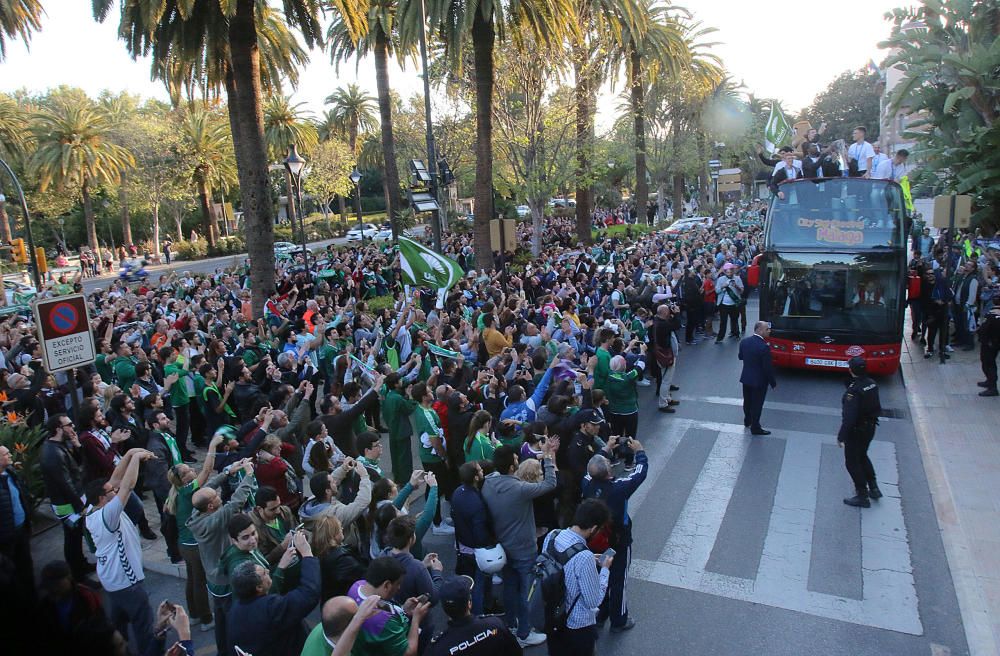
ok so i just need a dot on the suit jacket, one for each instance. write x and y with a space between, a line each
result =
758 370
781 176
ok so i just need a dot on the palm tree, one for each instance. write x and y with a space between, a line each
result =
13 143
119 109
354 109
484 22
18 19
381 40
207 154
286 124
602 25
660 48
73 145
225 35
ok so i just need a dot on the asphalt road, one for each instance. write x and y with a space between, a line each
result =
742 544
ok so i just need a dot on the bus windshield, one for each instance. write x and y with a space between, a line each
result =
837 213
835 293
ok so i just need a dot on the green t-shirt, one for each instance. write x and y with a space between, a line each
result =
316 644
482 449
390 641
104 368
178 392
426 421
125 372
184 508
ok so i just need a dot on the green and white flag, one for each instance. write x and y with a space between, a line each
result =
440 351
422 266
777 132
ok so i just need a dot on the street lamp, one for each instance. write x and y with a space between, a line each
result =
294 164
356 180
27 227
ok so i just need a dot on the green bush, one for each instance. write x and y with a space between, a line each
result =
25 446
283 232
230 246
191 250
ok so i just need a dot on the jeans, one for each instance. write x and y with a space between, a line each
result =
517 578
221 606
131 607
573 642
73 548
727 313
482 591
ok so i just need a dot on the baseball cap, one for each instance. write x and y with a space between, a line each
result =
590 417
455 592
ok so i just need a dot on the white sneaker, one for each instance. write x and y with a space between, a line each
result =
533 638
643 382
443 529
448 520
205 628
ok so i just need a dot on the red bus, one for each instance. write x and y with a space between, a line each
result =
832 273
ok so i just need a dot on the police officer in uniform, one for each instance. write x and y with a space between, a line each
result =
860 412
467 634
989 347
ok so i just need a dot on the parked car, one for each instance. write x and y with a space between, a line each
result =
683 225
384 234
17 292
284 247
523 211
367 231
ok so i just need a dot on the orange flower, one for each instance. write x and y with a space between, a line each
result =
20 447
12 417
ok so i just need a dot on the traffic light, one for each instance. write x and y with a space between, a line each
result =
43 265
20 254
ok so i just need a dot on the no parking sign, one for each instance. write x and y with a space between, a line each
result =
64 331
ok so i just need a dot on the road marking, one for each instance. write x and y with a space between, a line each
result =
825 411
890 599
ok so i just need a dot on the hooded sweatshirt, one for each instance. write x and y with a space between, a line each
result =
346 513
209 529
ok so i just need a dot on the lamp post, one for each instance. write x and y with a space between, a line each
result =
36 277
294 164
356 179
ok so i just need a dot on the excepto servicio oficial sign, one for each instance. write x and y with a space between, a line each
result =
64 332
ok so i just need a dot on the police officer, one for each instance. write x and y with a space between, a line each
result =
466 634
860 412
989 347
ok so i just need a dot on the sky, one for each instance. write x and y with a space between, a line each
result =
73 49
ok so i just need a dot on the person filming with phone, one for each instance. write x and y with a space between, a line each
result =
600 483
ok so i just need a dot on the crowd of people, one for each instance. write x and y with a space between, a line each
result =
508 410
260 440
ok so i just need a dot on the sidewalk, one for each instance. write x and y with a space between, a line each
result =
960 446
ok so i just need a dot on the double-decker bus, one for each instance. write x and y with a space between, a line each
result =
832 274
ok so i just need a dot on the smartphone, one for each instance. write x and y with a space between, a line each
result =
423 599
607 555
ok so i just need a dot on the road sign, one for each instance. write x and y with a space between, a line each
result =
64 332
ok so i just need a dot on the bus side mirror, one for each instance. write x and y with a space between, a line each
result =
753 275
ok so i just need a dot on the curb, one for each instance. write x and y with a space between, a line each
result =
976 619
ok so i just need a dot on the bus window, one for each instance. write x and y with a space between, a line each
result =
832 292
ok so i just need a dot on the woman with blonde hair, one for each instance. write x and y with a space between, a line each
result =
339 564
530 471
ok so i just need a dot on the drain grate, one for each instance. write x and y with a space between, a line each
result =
893 413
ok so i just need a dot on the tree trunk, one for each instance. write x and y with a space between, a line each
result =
126 221
638 114
678 196
483 37
178 222
88 216
207 217
704 187
5 234
381 53
251 152
156 231
584 144
661 200
342 204
537 219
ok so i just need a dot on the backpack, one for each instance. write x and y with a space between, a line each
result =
550 576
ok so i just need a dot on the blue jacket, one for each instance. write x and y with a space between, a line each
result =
758 369
616 493
271 625
468 511
525 410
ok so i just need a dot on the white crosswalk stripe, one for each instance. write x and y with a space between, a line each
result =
889 593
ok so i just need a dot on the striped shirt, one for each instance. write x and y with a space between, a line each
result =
585 584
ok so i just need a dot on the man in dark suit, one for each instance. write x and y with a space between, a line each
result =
758 373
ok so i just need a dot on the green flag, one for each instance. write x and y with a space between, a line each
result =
777 132
422 266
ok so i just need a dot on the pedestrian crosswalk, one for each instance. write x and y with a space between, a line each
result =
797 558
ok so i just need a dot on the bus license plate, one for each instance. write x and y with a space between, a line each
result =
819 362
